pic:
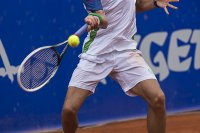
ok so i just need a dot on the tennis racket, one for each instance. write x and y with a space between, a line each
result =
37 69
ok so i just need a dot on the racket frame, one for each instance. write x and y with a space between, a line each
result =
60 56
20 69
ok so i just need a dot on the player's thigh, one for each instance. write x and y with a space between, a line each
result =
75 98
149 90
131 69
84 81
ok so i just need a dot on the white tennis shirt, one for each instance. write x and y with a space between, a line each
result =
121 27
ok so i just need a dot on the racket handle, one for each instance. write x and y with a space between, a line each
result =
82 30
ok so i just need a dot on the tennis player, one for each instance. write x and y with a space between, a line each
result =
109 49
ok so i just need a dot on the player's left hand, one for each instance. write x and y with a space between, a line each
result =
166 3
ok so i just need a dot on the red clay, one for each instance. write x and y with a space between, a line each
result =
184 123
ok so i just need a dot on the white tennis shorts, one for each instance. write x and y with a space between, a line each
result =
126 67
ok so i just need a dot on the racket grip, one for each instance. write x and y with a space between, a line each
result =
82 30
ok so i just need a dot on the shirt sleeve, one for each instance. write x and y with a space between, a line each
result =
92 5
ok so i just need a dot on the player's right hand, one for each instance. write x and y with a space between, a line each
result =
94 22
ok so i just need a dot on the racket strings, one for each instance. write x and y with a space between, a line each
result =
39 68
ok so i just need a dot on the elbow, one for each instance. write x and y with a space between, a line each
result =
139 10
140 6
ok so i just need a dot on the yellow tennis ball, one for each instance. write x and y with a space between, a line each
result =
73 40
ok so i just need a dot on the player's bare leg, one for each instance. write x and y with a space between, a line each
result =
74 99
151 92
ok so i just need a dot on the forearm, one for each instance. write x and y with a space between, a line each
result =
144 5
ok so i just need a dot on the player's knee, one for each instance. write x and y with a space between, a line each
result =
159 102
68 111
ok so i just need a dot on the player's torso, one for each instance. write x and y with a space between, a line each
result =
120 13
121 27
119 8
117 5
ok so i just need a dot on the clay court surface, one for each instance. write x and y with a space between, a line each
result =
180 123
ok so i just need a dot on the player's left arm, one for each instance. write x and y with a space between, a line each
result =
145 5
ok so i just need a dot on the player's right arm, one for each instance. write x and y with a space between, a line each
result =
96 17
